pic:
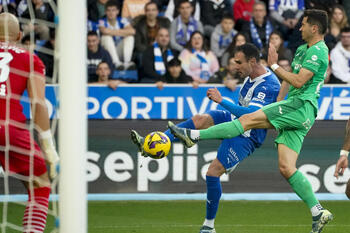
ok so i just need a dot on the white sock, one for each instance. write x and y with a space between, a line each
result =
209 222
316 210
194 134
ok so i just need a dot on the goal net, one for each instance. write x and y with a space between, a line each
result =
41 22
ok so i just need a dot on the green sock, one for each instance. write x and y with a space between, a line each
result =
303 189
224 130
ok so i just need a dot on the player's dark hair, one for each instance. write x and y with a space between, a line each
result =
346 29
92 33
174 62
318 18
249 50
111 3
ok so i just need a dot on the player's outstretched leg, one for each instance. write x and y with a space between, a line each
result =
138 141
182 134
319 221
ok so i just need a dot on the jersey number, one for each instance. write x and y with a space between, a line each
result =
4 66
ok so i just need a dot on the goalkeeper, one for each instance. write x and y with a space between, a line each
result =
293 117
20 156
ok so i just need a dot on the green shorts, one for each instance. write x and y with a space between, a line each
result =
292 118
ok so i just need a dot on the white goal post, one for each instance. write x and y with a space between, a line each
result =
72 116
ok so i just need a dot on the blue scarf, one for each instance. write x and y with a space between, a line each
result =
180 36
224 43
204 64
255 35
159 65
116 39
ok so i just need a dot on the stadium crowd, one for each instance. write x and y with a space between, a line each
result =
138 39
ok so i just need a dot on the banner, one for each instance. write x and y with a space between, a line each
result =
115 166
137 101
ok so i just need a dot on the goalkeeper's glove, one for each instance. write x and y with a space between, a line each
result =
51 156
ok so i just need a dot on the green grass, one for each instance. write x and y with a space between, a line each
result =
187 217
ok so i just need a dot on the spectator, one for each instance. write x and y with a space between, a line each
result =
46 55
156 58
222 36
295 40
172 10
117 37
226 75
197 60
238 40
325 5
286 14
147 27
338 20
133 8
242 12
8 6
96 55
42 11
103 73
175 74
259 27
28 43
277 40
96 9
284 63
183 26
212 12
340 57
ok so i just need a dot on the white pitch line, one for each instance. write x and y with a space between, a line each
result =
219 225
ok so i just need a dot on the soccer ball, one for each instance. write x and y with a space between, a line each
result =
157 145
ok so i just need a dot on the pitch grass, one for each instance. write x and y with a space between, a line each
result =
187 217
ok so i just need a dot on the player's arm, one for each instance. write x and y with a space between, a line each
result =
36 92
296 80
343 161
235 109
283 91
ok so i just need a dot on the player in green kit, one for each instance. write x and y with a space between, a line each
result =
292 118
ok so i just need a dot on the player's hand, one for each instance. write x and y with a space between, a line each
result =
272 57
342 164
50 153
215 95
52 160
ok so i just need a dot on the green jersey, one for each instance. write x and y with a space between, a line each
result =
314 59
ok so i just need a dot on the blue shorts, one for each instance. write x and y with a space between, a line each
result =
233 150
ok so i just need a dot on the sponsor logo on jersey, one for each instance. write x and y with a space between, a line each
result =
280 110
261 95
297 66
314 57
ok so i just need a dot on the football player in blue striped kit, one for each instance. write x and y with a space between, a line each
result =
260 87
